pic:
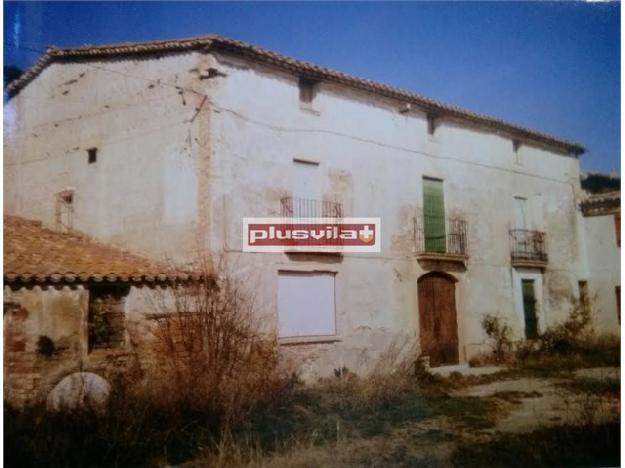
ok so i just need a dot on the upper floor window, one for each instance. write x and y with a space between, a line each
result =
520 213
306 92
434 215
64 210
92 155
431 121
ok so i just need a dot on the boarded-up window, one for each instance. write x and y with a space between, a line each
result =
520 213
106 317
434 215
617 226
306 304
306 181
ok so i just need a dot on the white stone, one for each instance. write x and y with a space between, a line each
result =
79 391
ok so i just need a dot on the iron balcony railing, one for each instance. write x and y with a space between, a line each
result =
527 245
292 207
439 235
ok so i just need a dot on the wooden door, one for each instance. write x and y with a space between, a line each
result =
437 318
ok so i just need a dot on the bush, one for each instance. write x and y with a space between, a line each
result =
499 334
570 345
212 356
213 368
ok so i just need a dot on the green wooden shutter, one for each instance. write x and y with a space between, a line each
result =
529 309
434 215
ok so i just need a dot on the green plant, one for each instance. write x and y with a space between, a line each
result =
499 334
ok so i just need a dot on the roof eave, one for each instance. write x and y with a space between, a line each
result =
293 65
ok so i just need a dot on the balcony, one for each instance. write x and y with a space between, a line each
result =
292 207
439 238
527 248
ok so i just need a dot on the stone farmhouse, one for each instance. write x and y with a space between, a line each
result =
163 147
72 304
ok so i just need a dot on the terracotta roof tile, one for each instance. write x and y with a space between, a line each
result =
310 70
33 253
601 203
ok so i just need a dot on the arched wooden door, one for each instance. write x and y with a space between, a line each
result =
437 318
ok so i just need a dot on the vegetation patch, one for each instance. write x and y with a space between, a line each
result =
569 446
600 387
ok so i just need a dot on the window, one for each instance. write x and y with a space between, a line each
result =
306 304
64 210
520 213
431 124
106 317
306 181
434 215
306 91
516 145
92 155
617 227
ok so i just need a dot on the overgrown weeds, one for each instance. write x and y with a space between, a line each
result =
566 346
569 446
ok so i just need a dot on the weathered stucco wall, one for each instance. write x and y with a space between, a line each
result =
168 180
143 117
60 314
603 273
372 159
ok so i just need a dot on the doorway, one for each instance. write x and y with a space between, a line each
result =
438 325
529 308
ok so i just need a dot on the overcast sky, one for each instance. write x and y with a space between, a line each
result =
552 67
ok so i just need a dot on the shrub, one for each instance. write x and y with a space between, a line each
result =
213 367
499 334
212 356
570 344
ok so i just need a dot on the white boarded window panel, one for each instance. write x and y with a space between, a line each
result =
306 304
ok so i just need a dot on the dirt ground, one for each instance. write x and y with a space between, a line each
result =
523 405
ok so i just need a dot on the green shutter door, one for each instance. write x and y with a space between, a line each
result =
434 215
529 309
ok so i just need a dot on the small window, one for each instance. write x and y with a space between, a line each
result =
306 91
516 146
617 227
92 155
306 304
431 124
106 317
64 210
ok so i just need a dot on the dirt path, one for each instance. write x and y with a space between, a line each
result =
546 402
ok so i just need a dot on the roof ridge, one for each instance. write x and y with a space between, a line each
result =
291 64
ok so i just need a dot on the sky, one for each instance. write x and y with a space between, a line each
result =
553 67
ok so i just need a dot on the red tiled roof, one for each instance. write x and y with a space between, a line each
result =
33 253
309 70
601 203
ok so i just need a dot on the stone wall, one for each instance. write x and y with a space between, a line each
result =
59 315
